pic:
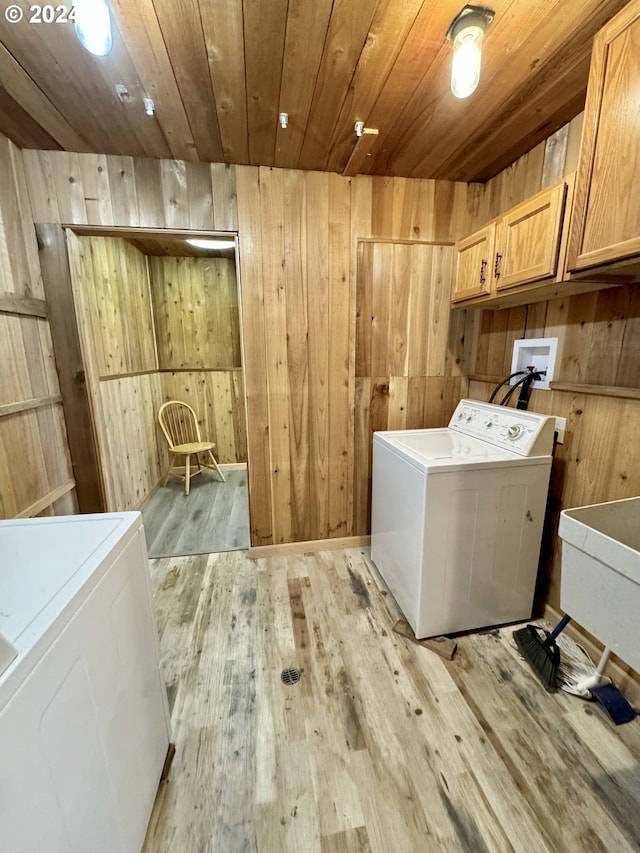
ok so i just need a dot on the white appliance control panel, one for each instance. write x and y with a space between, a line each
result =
523 432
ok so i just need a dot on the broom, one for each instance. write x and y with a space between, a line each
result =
539 649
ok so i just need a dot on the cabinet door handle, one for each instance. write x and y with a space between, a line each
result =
496 268
483 271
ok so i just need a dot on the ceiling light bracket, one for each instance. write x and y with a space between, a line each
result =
470 16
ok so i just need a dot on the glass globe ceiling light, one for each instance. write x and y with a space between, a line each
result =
467 34
92 23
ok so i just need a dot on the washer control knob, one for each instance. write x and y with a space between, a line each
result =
514 431
489 424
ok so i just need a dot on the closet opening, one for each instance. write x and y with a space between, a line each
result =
156 319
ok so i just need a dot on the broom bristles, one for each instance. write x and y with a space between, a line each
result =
542 657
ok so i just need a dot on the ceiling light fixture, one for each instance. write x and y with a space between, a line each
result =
93 25
211 243
467 33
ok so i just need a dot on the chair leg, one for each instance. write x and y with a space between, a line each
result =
187 474
168 474
217 467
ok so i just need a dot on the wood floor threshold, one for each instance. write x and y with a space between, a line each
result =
310 546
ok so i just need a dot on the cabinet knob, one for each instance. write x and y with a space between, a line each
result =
496 268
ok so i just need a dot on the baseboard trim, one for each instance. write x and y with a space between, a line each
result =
232 466
625 678
309 546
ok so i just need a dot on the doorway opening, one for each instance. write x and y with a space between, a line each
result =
159 319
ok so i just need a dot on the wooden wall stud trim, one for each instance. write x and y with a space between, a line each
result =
598 390
362 149
26 405
110 376
47 500
572 387
27 305
260 551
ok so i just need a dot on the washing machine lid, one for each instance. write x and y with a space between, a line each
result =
446 450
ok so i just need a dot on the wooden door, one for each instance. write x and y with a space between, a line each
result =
606 224
528 240
474 254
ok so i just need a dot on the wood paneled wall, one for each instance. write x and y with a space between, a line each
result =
118 303
128 384
195 303
598 359
298 242
113 306
409 349
298 234
36 477
197 326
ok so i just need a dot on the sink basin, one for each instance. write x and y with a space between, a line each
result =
8 653
600 584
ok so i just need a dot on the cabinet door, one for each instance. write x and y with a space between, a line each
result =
473 264
606 224
528 239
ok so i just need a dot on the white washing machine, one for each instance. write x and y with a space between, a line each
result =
457 516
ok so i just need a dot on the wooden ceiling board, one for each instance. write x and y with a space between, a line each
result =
223 28
264 36
303 48
66 75
388 33
346 36
540 58
26 93
536 125
183 36
420 54
82 86
23 128
432 104
220 72
140 31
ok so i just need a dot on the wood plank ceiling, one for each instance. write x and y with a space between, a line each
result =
220 72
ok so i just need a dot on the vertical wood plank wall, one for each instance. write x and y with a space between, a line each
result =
197 322
36 477
408 348
599 335
113 305
129 357
298 234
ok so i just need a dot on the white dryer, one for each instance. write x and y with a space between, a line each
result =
457 516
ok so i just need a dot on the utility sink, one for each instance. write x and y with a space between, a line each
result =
8 653
600 585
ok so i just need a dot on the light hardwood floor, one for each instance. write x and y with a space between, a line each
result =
382 746
213 517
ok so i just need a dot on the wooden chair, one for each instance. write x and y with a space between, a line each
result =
180 427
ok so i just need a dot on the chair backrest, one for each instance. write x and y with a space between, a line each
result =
179 423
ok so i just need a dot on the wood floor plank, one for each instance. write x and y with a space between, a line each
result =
382 746
213 517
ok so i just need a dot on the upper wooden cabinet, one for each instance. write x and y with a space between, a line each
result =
605 231
529 239
473 265
517 250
